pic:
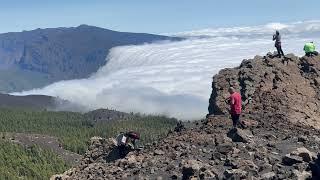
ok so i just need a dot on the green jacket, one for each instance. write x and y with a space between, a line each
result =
309 47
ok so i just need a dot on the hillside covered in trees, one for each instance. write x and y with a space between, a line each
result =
18 162
73 131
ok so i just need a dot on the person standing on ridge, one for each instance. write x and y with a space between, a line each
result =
310 49
235 106
277 39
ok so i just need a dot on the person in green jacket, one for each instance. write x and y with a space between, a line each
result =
310 49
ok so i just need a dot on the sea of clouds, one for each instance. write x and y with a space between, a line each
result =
174 78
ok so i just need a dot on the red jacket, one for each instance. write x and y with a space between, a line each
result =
235 103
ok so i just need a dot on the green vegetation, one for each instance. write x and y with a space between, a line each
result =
74 130
18 162
14 79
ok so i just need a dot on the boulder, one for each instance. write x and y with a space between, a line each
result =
158 152
247 165
301 175
222 139
132 161
224 148
249 123
235 174
306 155
302 139
209 174
58 177
268 176
239 135
190 168
290 160
64 176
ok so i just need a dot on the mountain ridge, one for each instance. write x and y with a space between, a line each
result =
63 53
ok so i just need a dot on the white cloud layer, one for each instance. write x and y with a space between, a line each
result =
174 78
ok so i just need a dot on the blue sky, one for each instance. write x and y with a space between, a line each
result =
152 16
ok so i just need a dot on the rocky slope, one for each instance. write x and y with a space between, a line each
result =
272 146
286 89
61 53
209 150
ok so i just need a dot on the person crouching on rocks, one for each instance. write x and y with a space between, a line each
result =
127 142
277 39
310 49
235 106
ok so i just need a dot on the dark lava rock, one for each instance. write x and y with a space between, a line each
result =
235 174
190 169
268 176
238 135
290 160
158 152
224 148
315 168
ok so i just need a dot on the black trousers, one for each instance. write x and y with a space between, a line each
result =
235 119
279 49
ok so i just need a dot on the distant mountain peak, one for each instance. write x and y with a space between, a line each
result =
86 26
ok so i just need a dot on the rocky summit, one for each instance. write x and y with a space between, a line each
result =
284 89
280 139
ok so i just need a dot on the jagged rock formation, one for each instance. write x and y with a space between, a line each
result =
273 145
286 89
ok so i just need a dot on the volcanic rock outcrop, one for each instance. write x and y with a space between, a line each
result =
287 89
272 146
205 151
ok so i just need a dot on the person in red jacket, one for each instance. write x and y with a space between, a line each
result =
235 106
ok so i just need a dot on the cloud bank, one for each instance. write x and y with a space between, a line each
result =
174 78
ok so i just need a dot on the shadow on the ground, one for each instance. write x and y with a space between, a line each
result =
315 168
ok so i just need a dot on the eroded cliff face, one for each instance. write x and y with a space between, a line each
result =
285 89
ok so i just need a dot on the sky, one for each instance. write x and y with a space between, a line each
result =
151 16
